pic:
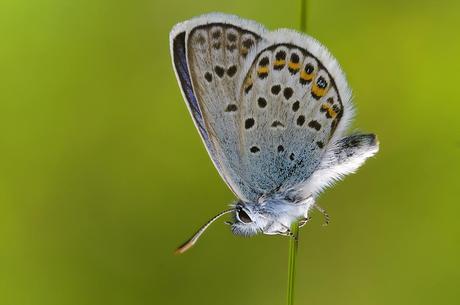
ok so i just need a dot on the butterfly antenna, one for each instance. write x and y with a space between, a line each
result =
189 243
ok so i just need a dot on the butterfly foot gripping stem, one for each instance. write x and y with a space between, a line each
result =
292 235
304 221
288 232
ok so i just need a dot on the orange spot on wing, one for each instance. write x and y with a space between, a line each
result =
305 76
262 70
294 66
329 110
319 92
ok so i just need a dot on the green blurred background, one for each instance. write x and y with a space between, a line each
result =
103 174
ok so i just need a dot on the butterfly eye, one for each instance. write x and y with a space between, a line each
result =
243 216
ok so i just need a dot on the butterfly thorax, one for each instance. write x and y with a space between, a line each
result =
270 216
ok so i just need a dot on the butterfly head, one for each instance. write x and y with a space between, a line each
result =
272 216
247 220
269 216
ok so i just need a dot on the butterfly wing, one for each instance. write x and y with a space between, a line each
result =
209 53
298 99
270 106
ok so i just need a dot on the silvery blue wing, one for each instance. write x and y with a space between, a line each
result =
272 109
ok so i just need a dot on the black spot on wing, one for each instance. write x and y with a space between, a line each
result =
276 89
248 43
231 37
300 120
262 102
219 71
249 123
231 108
262 75
287 92
216 34
309 68
208 77
295 106
231 71
277 124
281 55
264 61
314 124
295 58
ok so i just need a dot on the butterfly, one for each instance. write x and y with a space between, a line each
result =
272 108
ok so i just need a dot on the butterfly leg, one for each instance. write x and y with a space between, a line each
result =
325 214
290 234
304 221
286 232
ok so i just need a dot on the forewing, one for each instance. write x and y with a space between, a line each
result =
209 54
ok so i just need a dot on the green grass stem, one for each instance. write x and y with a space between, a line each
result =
294 240
293 245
